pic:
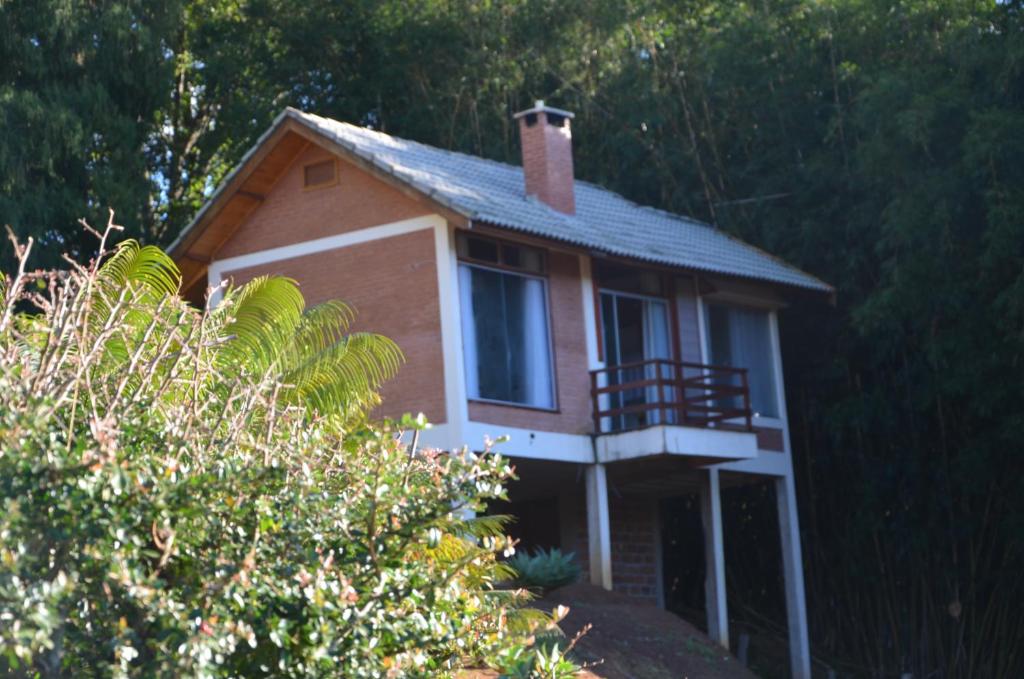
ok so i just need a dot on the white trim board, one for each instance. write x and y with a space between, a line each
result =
539 445
765 464
456 404
590 321
219 267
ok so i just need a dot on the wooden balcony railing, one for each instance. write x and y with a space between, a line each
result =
661 391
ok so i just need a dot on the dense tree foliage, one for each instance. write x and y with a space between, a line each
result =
876 144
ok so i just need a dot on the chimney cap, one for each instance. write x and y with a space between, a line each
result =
540 107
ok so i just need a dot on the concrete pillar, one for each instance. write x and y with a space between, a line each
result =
599 534
714 558
793 575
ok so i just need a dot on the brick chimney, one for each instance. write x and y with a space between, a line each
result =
547 155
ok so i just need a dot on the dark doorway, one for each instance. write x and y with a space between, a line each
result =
535 523
682 548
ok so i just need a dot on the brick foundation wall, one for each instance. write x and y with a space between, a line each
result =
635 548
635 538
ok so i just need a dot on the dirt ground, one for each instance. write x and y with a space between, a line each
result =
631 640
638 641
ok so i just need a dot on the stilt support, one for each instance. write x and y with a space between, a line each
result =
714 558
599 537
793 576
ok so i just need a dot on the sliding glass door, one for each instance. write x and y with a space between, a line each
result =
635 329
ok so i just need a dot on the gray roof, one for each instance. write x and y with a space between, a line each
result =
488 191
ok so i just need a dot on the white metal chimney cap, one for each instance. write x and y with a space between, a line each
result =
540 107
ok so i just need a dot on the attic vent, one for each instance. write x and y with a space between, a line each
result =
319 174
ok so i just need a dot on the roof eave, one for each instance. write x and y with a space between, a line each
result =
219 192
813 285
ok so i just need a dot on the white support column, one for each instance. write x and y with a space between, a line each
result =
213 281
599 534
714 558
793 575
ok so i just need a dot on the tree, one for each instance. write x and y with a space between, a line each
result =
80 88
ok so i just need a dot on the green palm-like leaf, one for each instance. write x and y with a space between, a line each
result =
268 332
146 266
261 320
138 277
345 375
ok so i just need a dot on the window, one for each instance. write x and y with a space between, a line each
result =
741 337
505 323
319 174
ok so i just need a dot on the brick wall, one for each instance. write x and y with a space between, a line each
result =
635 547
770 439
547 162
291 213
635 538
392 283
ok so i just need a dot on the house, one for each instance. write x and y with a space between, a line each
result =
629 353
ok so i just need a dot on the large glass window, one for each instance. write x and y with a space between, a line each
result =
741 338
505 335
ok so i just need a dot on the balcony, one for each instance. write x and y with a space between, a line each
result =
665 407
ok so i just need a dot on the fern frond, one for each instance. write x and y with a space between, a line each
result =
263 317
343 375
487 525
147 266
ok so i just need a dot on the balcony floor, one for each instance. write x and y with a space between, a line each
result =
700 445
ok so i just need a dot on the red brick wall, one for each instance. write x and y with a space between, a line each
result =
635 537
392 283
291 213
769 438
571 374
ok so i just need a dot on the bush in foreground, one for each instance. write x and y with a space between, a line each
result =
197 493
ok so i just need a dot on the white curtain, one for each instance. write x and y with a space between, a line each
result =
746 344
750 345
529 348
538 349
472 367
656 345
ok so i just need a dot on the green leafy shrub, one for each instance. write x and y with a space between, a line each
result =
545 569
197 493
